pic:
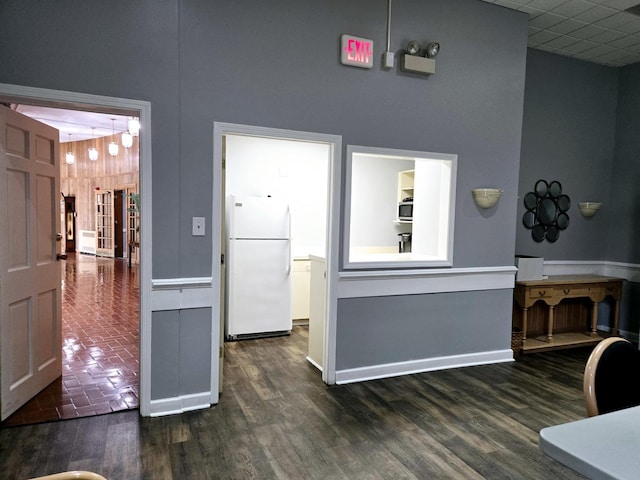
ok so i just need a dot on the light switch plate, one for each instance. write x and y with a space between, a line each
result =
197 228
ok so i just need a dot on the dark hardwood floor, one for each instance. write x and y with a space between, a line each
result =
276 419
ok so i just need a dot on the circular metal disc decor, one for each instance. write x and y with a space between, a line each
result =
546 213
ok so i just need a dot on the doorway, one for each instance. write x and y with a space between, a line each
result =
304 168
43 97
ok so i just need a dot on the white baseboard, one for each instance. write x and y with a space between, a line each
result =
361 374
181 404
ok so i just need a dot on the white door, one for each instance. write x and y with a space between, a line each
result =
30 285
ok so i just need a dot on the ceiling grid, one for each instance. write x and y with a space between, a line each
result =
606 32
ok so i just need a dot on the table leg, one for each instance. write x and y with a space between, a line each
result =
524 324
594 319
550 324
616 317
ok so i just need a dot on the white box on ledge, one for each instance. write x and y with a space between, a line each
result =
529 268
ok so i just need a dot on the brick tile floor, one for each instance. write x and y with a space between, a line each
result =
100 343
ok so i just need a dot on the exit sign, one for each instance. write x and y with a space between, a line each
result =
356 51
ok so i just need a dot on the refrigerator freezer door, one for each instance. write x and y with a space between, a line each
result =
259 217
259 289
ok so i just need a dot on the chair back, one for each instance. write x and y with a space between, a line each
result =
612 377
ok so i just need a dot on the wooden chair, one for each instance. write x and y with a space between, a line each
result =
612 377
74 475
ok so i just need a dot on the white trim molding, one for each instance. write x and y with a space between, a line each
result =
180 404
628 271
373 372
409 282
181 293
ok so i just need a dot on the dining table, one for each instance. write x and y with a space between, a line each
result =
605 446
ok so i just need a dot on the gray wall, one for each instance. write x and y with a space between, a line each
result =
624 208
421 326
580 127
275 64
568 135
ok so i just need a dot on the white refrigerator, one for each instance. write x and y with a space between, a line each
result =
259 267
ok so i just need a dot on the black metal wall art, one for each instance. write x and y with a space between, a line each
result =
546 213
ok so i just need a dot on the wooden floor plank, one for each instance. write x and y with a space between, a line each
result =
276 419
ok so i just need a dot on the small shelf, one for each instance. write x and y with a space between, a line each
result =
406 180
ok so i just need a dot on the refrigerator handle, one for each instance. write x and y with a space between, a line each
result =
290 253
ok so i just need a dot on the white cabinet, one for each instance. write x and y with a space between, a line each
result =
301 288
317 311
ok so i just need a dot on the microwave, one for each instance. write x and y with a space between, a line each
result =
405 210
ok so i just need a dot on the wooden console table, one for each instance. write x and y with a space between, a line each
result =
552 291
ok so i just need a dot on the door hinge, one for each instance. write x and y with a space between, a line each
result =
222 259
221 352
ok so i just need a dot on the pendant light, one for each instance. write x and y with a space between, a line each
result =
70 158
127 139
93 151
134 126
113 146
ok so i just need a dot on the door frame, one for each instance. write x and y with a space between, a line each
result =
220 130
142 109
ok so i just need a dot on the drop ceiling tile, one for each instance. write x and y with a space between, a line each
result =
542 37
546 48
561 42
632 27
567 26
533 12
599 31
580 46
587 32
546 20
625 42
507 3
545 4
607 36
599 50
573 8
615 21
513 4
598 12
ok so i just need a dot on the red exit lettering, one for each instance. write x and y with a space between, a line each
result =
357 51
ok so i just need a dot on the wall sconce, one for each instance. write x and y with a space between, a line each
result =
420 60
486 197
589 209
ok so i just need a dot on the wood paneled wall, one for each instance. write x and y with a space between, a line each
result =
81 179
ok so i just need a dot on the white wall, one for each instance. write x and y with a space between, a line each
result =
296 171
374 200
